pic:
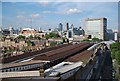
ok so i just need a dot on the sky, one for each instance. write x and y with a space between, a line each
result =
49 14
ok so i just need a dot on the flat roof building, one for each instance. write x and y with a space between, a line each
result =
27 32
96 28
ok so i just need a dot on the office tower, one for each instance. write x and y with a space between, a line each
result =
115 36
1 31
70 32
11 30
78 31
60 28
40 29
96 28
67 26
72 26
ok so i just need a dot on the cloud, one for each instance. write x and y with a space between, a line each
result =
35 15
20 16
47 12
44 3
28 20
52 12
73 11
60 1
67 11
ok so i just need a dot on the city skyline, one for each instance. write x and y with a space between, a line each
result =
49 14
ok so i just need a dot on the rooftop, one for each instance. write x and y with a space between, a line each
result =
92 19
62 52
32 78
30 29
83 57
63 67
22 63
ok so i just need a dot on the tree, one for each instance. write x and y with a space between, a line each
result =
115 46
115 49
53 43
52 35
30 37
37 37
95 39
47 36
4 37
21 37
85 40
113 53
29 43
117 56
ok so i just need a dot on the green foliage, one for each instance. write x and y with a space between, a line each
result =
21 37
53 43
37 37
29 43
117 56
113 53
4 51
95 39
52 35
115 46
4 37
115 49
30 37
85 40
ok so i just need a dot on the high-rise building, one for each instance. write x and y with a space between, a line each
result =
78 31
67 26
110 34
116 36
1 31
70 33
11 30
60 28
40 29
96 28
